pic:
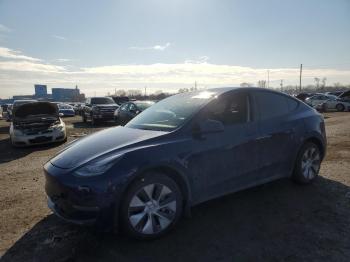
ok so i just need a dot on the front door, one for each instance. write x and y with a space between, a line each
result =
225 161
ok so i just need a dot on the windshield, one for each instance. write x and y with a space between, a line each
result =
172 112
332 97
19 103
62 106
143 105
102 100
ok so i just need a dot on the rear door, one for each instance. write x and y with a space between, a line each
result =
276 133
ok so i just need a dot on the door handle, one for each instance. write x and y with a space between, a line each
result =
264 137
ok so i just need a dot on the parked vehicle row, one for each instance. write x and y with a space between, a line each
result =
129 110
103 109
325 102
339 101
186 149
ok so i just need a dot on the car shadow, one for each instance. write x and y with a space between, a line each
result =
9 153
279 221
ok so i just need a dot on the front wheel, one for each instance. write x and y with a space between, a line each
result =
94 121
84 117
151 206
340 107
308 163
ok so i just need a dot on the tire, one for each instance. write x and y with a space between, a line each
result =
142 216
84 117
340 107
93 121
116 121
307 164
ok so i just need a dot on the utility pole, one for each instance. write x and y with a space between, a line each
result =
145 90
268 78
301 71
281 84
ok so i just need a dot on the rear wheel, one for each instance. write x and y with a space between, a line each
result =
308 163
151 207
340 107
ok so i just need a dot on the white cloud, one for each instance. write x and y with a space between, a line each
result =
63 60
27 66
18 71
156 47
12 54
59 37
4 29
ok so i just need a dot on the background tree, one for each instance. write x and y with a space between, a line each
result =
262 83
245 84
317 81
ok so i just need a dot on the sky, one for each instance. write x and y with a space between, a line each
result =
107 45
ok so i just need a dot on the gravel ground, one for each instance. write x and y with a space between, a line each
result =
279 221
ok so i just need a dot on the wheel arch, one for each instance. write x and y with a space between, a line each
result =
173 173
317 142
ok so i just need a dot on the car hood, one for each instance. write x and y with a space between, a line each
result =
103 142
105 105
35 109
345 94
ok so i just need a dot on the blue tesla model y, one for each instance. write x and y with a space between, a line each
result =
184 150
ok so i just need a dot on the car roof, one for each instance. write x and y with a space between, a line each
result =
222 90
25 100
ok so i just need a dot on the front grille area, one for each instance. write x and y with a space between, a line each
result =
40 139
107 110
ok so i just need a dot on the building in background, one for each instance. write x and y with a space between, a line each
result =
58 95
67 94
40 91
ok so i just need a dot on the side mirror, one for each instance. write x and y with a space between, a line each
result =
209 126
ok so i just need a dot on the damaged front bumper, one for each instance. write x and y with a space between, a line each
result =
38 139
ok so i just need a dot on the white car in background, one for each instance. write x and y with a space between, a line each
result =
325 102
36 123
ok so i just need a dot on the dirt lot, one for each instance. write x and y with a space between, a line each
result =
279 221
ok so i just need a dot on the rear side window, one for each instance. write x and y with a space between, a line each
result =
292 104
271 105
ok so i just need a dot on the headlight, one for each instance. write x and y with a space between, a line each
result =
98 166
95 109
58 127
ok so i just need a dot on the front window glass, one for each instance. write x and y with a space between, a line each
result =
229 110
102 100
144 105
172 112
63 106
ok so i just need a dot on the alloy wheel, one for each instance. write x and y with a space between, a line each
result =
310 163
152 209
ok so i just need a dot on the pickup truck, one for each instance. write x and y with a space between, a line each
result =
99 109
